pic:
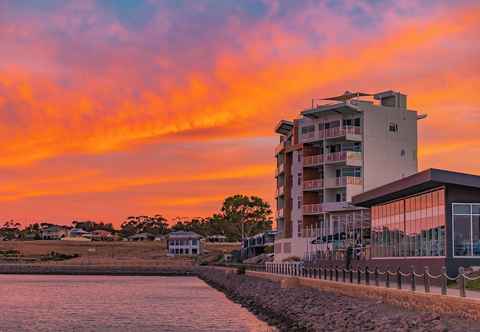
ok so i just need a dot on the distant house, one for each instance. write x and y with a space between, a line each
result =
142 237
184 243
255 245
77 232
54 232
216 238
102 235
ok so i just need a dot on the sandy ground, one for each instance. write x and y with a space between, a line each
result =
151 253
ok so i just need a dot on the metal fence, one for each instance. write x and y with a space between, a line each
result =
374 277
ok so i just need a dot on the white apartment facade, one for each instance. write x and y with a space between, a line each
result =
331 153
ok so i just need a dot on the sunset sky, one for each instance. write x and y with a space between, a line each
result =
113 108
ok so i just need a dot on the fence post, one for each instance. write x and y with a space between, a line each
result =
461 281
331 272
444 280
359 275
426 279
367 276
414 286
351 275
399 278
376 276
336 273
343 274
387 277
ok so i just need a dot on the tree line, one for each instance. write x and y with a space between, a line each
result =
239 214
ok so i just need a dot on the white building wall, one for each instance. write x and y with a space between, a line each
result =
384 161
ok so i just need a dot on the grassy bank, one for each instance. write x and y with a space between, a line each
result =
125 254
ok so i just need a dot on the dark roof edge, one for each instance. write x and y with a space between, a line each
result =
423 180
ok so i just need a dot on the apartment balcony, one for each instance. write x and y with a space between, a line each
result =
280 169
312 209
351 133
313 185
313 136
280 213
343 181
280 191
279 147
313 161
350 158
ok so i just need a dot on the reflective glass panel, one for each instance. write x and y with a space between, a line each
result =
461 208
462 236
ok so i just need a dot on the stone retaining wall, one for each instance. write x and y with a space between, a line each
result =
325 308
92 270
442 304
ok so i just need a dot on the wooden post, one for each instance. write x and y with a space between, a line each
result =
426 279
387 277
399 278
376 276
367 276
444 280
413 280
461 281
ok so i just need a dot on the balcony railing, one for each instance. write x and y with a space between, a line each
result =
313 184
279 147
280 190
280 213
280 169
342 131
347 156
312 208
314 160
343 181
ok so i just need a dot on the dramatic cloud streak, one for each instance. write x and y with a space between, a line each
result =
134 103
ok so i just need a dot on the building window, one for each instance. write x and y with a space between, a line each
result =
393 127
299 228
299 202
194 251
299 156
466 229
410 227
299 177
194 242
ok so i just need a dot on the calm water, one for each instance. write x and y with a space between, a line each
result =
103 303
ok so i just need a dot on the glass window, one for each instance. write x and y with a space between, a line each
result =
476 234
462 235
476 208
194 242
461 208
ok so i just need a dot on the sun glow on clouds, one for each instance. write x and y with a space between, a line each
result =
89 81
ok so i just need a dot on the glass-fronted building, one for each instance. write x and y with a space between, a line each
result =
431 218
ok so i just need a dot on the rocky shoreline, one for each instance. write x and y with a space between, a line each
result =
307 309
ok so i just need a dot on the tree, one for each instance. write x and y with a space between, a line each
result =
90 226
245 215
10 229
155 225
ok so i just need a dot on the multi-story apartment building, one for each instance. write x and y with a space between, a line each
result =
350 144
